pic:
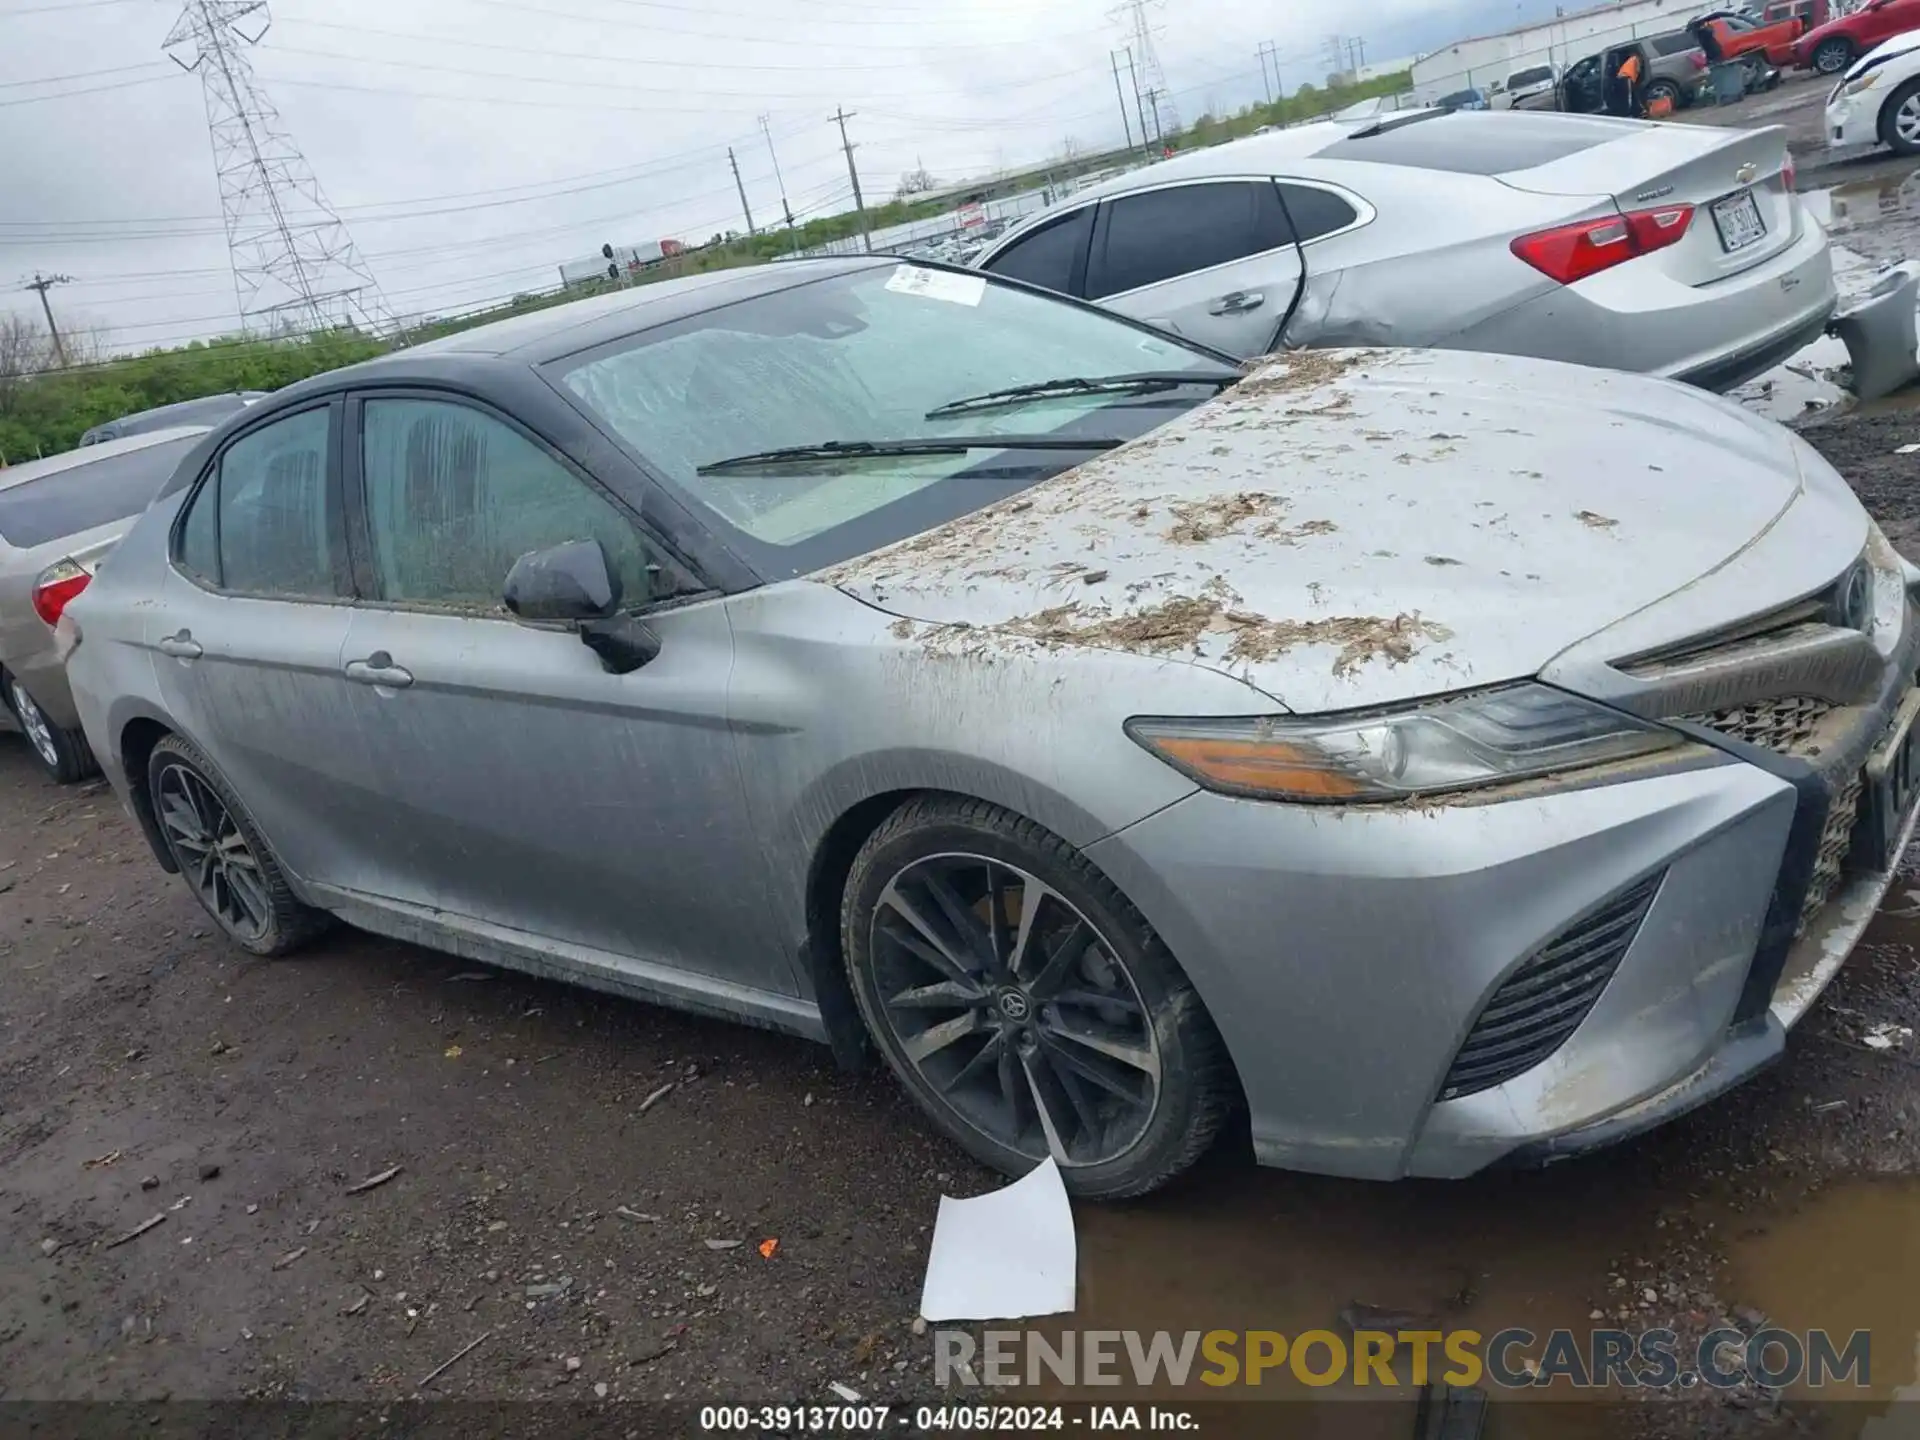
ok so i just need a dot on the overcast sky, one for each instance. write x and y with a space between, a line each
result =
473 145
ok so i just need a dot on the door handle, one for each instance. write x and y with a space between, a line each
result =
1237 303
182 646
379 669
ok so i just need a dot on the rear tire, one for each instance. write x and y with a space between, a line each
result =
1833 56
1900 119
63 754
1026 1005
222 855
1657 90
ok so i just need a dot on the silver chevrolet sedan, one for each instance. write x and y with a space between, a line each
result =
1419 759
1676 250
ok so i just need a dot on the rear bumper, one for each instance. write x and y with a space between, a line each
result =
45 679
1634 318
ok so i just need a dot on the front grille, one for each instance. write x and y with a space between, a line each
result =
1830 861
1785 725
1543 1002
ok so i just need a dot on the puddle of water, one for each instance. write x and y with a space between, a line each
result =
1874 225
1847 1260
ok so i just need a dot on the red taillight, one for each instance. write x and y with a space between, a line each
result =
1699 60
1788 174
55 589
1573 252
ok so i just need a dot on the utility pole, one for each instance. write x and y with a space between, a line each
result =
778 179
866 236
1121 95
745 208
1159 135
1265 46
1139 105
44 283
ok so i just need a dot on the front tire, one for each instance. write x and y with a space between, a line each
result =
63 754
1833 56
222 855
1026 1005
1900 119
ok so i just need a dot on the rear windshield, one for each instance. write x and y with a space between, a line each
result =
1476 143
97 492
1675 42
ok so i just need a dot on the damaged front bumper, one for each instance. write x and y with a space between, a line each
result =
1350 957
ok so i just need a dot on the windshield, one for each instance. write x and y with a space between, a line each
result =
1543 75
864 357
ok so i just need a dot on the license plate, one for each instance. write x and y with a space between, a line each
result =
1737 218
1893 782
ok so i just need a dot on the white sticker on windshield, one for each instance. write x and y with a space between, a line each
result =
938 285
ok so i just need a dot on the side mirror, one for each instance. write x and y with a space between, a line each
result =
562 582
571 583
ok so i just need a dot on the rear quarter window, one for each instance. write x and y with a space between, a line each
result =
84 496
1477 143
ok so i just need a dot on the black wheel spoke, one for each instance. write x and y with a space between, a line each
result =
1136 1054
923 940
214 854
966 925
987 1054
997 943
935 1038
1065 1059
1059 964
946 995
1067 1082
1056 1147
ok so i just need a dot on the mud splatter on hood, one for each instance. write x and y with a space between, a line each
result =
1354 528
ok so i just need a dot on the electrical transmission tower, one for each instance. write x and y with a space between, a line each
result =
295 266
1146 59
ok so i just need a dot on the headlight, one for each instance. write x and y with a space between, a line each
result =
1865 83
1494 737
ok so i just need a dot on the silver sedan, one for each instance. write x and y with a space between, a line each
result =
1675 250
897 656
59 517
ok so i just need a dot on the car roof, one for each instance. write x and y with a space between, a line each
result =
73 459
543 335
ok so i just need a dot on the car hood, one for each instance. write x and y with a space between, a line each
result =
1351 528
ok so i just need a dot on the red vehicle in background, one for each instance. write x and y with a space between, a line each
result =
1833 46
1761 45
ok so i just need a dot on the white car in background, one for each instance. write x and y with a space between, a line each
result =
1877 101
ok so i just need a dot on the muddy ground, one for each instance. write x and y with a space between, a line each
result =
587 1242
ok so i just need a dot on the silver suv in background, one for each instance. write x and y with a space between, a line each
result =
58 519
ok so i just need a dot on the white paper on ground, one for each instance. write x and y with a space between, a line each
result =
1003 1256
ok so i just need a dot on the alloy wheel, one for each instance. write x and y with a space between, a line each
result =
1014 1009
1906 120
38 729
1832 59
213 853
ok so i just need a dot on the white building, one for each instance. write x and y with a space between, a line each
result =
1558 42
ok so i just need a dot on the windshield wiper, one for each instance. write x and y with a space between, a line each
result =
1083 385
880 449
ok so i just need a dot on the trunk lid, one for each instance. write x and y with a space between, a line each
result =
1359 528
1701 165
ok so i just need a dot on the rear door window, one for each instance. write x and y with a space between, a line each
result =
82 497
1145 239
261 525
1316 212
1052 256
